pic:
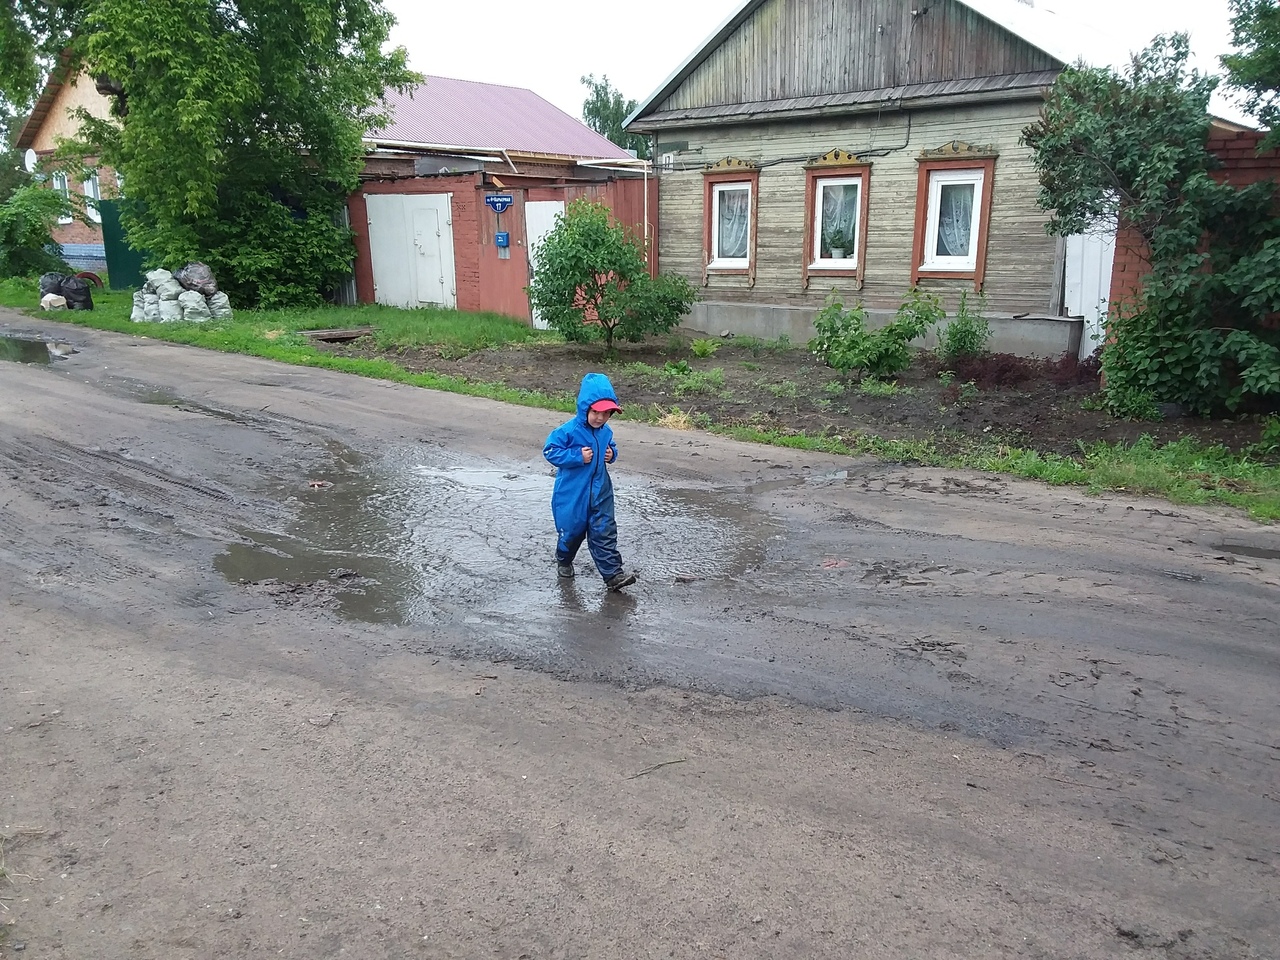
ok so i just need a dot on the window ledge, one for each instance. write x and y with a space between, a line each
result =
848 265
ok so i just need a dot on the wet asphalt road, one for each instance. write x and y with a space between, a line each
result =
1141 637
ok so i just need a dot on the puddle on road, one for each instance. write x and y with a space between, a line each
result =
23 350
1246 550
823 479
405 541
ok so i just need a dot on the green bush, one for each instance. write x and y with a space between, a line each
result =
27 218
844 343
966 335
1132 146
591 282
1269 444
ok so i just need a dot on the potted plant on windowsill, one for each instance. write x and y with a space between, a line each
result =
839 242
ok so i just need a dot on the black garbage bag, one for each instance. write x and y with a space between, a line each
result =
51 283
76 292
197 277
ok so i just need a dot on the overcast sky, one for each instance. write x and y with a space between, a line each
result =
547 45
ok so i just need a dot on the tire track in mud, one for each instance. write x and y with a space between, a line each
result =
134 522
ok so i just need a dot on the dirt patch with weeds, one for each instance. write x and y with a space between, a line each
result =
1040 405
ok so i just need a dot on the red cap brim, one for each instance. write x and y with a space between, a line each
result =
604 406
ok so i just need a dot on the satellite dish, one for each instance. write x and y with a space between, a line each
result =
29 160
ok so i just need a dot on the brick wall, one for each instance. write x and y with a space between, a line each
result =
485 280
1242 165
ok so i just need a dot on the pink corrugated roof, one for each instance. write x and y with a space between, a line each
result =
464 113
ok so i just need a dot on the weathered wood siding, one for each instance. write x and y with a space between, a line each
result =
805 48
1020 258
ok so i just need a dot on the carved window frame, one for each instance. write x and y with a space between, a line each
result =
836 165
953 160
724 174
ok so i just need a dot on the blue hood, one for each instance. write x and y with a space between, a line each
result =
595 386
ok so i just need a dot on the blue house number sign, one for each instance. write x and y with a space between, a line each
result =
499 202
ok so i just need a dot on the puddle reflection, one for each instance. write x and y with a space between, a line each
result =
23 350
412 540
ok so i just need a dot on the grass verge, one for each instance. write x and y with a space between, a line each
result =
1183 472
276 335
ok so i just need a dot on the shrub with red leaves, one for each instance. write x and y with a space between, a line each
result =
1068 371
991 371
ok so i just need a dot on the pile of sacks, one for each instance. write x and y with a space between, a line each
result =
191 294
61 292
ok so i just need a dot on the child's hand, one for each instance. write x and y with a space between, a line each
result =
586 455
608 454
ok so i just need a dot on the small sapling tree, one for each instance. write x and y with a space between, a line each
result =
591 282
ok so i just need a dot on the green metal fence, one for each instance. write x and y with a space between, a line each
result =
124 264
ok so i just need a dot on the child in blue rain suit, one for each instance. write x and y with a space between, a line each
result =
582 499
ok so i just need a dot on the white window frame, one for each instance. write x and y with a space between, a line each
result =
59 182
850 261
92 195
729 263
937 180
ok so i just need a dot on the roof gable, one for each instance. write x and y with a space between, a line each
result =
775 50
486 116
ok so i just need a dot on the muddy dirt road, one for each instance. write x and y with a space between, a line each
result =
286 671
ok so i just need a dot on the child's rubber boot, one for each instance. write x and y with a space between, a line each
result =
619 580
564 570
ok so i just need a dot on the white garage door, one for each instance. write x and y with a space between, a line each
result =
411 245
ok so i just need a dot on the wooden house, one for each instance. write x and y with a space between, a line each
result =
866 147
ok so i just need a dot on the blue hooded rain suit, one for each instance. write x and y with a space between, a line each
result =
582 499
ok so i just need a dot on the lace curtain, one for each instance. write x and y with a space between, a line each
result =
733 224
839 216
955 219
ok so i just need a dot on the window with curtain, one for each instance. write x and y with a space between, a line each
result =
837 209
955 202
731 225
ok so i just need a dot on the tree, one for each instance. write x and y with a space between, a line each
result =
238 127
28 213
590 281
1254 67
33 35
1132 146
605 109
1135 142
27 217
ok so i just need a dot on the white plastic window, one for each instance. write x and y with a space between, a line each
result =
955 212
837 227
60 183
92 194
731 226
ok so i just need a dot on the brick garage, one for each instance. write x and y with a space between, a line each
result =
484 280
424 234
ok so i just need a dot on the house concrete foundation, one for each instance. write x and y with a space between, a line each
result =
1048 337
